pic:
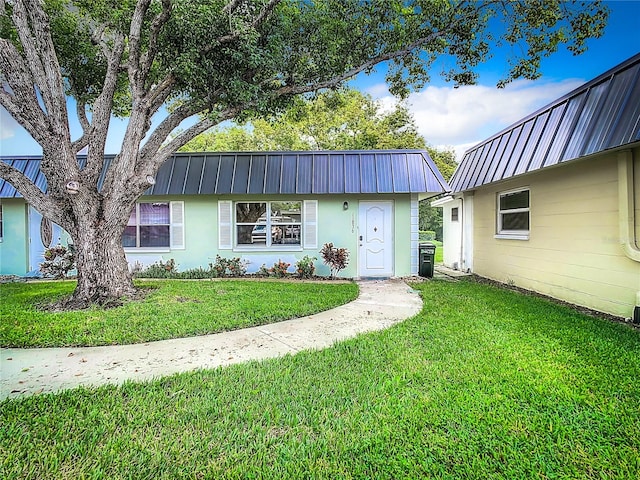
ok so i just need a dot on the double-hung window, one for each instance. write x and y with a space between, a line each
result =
155 225
268 224
514 214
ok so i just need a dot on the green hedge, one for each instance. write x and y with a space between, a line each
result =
426 235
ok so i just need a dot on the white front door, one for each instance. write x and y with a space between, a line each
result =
375 256
42 234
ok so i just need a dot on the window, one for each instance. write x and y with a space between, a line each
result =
155 225
454 214
0 221
513 214
267 224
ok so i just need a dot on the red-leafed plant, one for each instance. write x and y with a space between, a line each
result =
336 258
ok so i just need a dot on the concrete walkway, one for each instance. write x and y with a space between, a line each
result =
379 305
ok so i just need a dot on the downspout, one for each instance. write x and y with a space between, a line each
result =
462 220
627 215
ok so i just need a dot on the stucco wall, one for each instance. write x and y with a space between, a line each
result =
335 224
573 252
452 235
13 247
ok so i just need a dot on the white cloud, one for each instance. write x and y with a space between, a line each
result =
7 125
462 117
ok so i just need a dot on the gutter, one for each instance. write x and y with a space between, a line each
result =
627 215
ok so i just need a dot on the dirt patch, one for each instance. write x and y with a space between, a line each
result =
68 304
187 300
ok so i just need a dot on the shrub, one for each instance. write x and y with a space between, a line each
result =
279 269
336 258
426 235
159 269
263 271
195 273
228 267
58 261
305 267
219 267
236 267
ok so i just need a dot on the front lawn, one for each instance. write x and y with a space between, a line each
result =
172 309
484 383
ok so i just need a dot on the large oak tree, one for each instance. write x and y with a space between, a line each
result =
217 60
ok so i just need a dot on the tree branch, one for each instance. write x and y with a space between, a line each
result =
82 116
162 131
21 102
136 76
262 16
31 193
289 90
102 113
156 25
34 31
158 94
231 6
151 166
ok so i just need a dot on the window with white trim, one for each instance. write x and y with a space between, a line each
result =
155 225
514 214
268 224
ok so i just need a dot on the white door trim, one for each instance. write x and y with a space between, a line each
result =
376 238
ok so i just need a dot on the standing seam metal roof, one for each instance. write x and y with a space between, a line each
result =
255 173
600 115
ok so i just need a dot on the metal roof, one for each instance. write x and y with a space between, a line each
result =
600 115
255 173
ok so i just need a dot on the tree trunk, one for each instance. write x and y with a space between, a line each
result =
103 272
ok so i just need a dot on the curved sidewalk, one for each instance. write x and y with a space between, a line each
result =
379 305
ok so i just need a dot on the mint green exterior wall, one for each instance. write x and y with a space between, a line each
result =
14 245
335 225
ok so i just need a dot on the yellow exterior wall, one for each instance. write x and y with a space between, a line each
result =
573 252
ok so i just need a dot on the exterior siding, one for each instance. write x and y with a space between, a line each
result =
14 253
335 225
452 231
415 234
573 252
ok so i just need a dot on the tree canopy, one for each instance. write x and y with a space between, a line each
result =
344 119
166 61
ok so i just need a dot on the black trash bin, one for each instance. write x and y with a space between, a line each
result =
426 259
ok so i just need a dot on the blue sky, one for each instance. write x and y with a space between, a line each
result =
458 118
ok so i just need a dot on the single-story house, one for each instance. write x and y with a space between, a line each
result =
552 203
262 207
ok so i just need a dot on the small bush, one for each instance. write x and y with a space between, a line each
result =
58 261
426 235
159 269
279 269
305 267
263 271
195 273
236 267
336 258
224 267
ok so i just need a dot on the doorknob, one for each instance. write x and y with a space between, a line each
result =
360 237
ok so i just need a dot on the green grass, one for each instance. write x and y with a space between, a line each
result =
484 383
173 308
439 252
